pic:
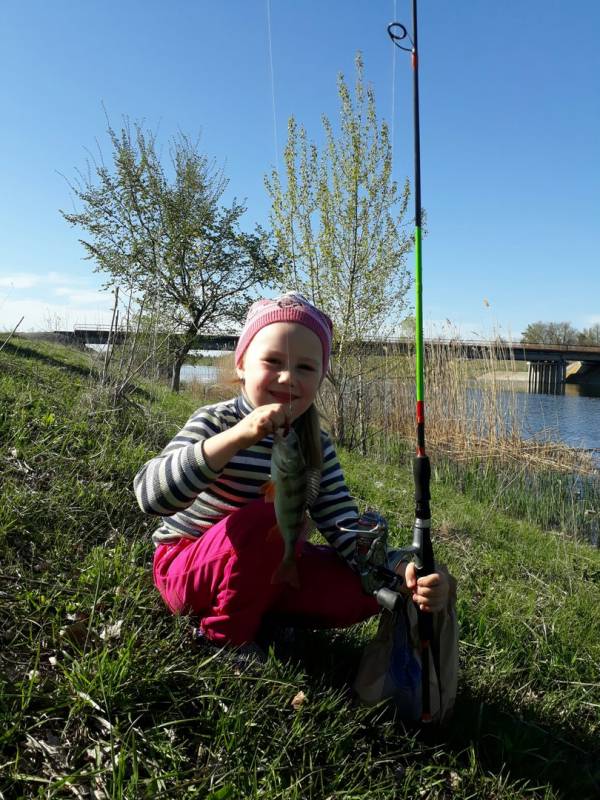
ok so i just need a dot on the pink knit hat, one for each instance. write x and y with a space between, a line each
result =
290 307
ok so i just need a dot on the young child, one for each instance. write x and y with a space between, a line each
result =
215 549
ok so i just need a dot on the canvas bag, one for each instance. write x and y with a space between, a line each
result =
390 666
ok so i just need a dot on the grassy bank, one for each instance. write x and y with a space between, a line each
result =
102 694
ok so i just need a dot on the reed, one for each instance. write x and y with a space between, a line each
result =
474 434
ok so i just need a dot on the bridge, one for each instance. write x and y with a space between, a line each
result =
548 364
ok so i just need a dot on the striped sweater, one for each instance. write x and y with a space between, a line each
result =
179 486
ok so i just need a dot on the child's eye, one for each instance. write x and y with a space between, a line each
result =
273 361
307 367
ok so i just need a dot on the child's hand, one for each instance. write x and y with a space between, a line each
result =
430 592
261 422
218 450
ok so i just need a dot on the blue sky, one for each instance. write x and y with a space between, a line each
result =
510 117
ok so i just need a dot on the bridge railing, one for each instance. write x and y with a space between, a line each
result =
497 344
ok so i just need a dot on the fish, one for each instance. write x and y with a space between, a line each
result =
287 489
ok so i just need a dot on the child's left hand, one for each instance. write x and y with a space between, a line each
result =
430 593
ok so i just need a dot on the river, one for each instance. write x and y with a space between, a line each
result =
572 418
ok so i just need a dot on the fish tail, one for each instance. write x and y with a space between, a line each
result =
287 572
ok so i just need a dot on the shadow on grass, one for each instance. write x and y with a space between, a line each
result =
18 348
506 743
523 748
91 373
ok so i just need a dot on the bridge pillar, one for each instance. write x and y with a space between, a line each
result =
547 377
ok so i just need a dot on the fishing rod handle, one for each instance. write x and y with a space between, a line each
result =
423 549
422 476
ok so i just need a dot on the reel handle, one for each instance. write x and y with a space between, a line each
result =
387 598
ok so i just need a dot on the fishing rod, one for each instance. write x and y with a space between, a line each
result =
423 548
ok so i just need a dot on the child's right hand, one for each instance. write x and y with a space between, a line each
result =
261 422
219 449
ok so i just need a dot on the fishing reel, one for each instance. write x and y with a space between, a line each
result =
371 558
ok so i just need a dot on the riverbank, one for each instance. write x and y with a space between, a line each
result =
521 377
104 694
504 376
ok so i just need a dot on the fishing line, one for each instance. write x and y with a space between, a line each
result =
276 146
289 369
393 91
275 138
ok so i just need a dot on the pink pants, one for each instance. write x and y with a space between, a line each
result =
224 577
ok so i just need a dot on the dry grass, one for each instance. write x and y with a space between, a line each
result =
471 407
466 419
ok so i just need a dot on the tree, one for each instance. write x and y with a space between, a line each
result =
163 236
534 333
591 335
338 227
550 333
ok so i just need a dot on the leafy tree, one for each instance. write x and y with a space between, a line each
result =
338 226
550 333
162 235
591 335
563 332
534 333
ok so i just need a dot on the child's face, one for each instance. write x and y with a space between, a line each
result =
283 364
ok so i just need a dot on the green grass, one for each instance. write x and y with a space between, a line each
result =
103 694
552 497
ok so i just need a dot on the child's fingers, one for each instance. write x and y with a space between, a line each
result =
265 420
435 579
430 595
280 417
410 576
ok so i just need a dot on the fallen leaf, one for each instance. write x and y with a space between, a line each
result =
299 700
112 631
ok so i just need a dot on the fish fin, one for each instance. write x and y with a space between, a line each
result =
313 485
268 490
287 572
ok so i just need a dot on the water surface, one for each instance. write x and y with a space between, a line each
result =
572 418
